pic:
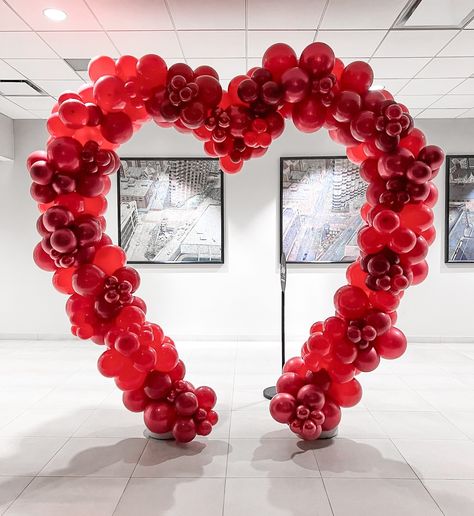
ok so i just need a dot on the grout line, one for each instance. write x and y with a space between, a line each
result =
323 13
103 28
246 14
175 30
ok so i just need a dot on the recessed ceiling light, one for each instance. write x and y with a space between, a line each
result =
377 87
55 14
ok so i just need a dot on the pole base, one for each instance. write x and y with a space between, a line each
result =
328 434
269 392
168 436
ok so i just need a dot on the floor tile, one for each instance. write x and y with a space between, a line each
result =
363 458
359 424
462 420
199 458
118 422
454 497
35 422
417 425
275 497
271 458
27 456
10 488
395 400
257 423
439 459
58 496
96 457
423 382
172 497
374 497
462 399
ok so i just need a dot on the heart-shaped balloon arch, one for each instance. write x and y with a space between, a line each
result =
71 179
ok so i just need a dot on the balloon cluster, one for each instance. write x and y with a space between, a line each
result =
71 180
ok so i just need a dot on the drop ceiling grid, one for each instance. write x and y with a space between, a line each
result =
319 7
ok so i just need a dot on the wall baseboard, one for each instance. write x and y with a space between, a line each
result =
441 339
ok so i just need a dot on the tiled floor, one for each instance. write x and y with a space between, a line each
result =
67 446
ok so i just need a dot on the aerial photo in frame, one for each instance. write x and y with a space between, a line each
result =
460 209
171 210
321 199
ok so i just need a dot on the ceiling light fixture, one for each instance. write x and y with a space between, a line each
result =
377 87
55 14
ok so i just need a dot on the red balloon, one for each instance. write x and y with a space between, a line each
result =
157 385
367 360
73 113
351 302
317 59
167 358
206 397
417 217
184 430
414 141
110 258
206 70
295 83
159 417
135 401
116 127
332 415
111 363
432 155
290 383
420 272
109 93
210 90
65 154
346 394
100 66
308 115
282 407
42 259
186 404
88 280
278 58
392 344
357 76
126 67
152 69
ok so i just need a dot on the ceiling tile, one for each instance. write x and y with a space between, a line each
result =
414 43
43 103
7 72
441 113
278 14
352 42
429 86
43 68
391 85
348 14
226 43
211 14
455 101
9 20
397 67
12 110
136 15
17 88
259 41
139 43
226 68
78 45
415 112
23 44
55 88
224 83
41 113
448 67
417 101
465 88
461 45
79 16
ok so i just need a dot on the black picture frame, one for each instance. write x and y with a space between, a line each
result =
448 202
222 212
290 261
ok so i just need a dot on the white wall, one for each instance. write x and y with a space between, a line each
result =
6 138
241 297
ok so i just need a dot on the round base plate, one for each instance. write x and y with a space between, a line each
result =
269 392
329 434
168 436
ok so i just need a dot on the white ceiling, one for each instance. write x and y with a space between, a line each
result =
431 70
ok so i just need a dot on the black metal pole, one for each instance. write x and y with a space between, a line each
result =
269 392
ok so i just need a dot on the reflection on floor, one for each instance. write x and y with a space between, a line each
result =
68 447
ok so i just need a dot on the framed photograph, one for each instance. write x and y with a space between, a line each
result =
459 209
320 200
171 210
